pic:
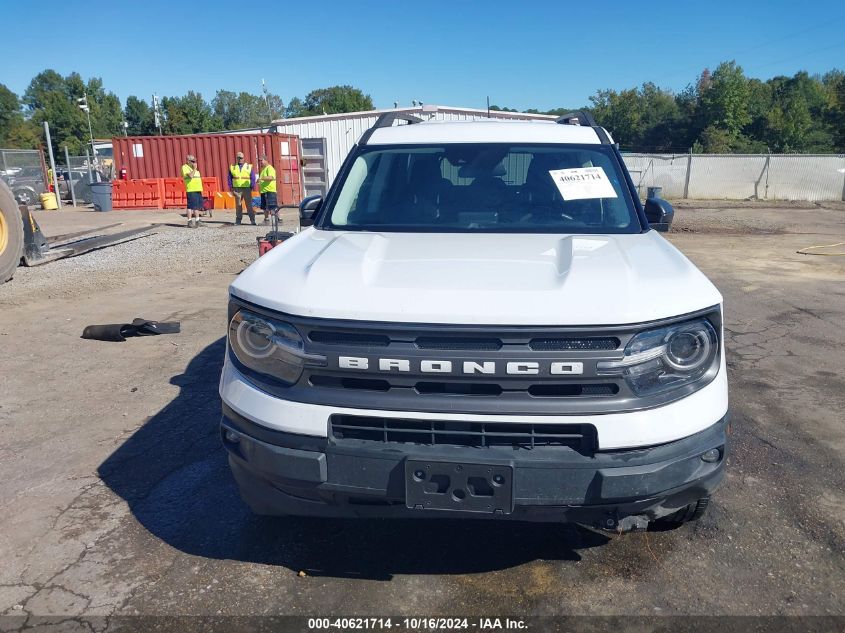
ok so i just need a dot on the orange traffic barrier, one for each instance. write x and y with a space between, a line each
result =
210 186
118 194
229 200
174 193
143 193
129 199
151 195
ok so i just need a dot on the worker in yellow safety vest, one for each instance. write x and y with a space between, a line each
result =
193 190
267 188
242 182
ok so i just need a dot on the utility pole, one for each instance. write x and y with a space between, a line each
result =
267 100
52 165
83 105
156 114
70 177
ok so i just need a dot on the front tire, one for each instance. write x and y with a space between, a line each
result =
11 234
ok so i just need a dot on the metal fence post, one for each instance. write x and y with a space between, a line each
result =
689 171
53 165
843 178
88 163
70 177
766 168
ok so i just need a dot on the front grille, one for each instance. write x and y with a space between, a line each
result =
561 344
348 338
581 437
458 343
569 390
342 382
462 388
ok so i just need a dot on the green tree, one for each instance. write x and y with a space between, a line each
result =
713 140
190 114
53 98
43 84
660 118
837 116
336 99
10 107
244 110
15 130
139 116
295 108
620 113
724 100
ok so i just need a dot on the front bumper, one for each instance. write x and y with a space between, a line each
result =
282 473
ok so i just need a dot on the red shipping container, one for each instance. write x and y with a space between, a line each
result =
163 157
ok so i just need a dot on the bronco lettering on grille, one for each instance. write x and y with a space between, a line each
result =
433 366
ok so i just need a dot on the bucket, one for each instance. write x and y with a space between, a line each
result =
272 239
655 192
48 202
101 195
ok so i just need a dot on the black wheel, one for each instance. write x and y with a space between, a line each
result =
25 197
692 512
11 234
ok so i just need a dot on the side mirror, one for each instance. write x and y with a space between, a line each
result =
308 209
659 214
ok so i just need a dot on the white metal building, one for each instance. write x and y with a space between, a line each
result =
327 139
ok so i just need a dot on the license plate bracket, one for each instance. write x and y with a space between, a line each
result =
459 487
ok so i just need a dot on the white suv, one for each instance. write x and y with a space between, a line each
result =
481 322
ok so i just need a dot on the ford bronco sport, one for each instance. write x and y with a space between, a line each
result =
483 321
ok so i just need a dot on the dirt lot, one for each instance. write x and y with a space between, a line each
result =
115 497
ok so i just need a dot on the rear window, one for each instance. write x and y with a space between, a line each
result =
485 188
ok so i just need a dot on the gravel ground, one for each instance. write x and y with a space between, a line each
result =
115 496
212 248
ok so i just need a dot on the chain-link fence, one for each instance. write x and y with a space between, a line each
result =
812 177
24 172
75 177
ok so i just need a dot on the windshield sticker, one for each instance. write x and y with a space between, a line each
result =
583 183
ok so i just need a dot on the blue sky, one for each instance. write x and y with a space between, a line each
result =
522 54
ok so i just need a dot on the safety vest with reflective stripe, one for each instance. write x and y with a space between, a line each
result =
267 187
192 183
241 175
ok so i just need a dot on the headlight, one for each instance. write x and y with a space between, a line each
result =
659 360
270 347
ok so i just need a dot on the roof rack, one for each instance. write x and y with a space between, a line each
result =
386 120
578 117
582 117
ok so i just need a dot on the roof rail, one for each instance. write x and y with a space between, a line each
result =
579 117
386 120
582 117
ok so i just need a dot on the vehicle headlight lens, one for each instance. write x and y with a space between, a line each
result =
268 346
666 358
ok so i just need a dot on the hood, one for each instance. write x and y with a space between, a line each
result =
483 278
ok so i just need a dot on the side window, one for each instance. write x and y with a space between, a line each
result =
516 168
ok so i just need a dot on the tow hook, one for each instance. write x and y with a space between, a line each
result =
634 523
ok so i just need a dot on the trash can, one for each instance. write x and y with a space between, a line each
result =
48 201
655 192
101 195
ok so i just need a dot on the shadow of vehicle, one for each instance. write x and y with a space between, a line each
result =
174 475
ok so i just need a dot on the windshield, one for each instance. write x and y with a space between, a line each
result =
485 188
